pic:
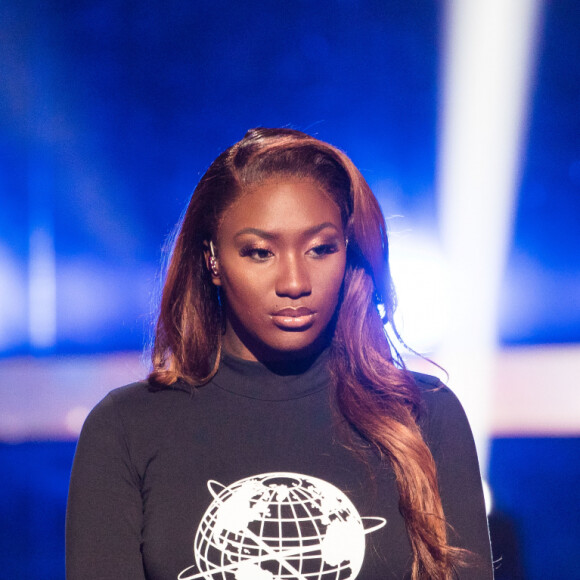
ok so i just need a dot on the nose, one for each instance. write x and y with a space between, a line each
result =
293 278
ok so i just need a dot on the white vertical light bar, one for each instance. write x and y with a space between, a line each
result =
487 61
41 290
41 253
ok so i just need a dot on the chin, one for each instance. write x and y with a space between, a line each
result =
299 347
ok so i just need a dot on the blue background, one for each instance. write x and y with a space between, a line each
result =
111 111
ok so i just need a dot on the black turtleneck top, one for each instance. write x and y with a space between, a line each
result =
254 477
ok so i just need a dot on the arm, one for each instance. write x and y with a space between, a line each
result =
104 512
451 442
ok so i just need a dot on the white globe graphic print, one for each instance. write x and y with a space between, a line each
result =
279 526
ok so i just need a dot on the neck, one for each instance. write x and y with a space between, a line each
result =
284 365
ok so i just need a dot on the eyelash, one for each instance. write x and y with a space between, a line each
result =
324 250
262 254
257 254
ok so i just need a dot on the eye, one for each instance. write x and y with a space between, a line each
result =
256 254
324 250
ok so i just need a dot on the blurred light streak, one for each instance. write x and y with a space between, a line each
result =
75 419
487 62
49 397
536 392
42 290
421 281
101 302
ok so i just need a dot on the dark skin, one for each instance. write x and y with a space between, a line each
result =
281 258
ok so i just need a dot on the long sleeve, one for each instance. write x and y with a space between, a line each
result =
453 448
104 512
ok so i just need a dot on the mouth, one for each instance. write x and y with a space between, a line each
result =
293 318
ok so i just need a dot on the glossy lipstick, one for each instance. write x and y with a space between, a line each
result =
293 318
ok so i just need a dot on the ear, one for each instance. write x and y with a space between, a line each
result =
211 262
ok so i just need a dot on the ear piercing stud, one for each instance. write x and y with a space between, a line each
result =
213 265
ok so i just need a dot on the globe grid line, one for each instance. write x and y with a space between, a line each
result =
306 508
309 519
299 535
303 550
280 535
313 541
280 520
266 554
207 533
270 554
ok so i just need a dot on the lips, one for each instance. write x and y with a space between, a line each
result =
294 318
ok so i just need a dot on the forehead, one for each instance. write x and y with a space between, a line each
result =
281 205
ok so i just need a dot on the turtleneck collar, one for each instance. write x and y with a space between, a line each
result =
279 382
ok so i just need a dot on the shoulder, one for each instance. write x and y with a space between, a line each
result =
135 404
129 426
142 392
435 395
122 398
441 415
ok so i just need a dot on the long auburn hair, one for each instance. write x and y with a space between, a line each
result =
373 391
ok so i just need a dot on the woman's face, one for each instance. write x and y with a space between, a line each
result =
281 261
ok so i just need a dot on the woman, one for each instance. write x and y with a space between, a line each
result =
278 436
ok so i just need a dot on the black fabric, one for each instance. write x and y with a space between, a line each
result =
139 485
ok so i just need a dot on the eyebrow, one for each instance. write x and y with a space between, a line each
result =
272 235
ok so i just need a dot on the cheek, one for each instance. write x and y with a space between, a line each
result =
242 291
330 283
